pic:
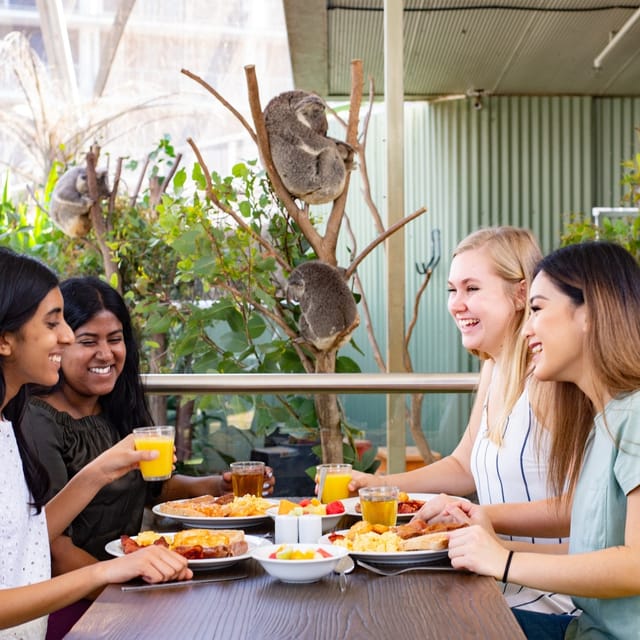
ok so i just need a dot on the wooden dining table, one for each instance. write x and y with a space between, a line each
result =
432 605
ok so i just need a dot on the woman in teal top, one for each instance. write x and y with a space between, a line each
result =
584 334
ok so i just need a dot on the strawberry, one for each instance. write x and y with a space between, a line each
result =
334 508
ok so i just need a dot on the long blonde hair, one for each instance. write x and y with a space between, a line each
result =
514 254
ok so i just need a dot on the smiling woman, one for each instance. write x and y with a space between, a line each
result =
97 403
33 336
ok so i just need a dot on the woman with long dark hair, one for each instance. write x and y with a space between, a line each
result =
33 336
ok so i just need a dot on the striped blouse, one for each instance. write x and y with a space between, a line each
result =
516 471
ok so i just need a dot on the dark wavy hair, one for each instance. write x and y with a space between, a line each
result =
24 283
84 297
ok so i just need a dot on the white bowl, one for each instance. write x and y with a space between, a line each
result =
298 571
329 523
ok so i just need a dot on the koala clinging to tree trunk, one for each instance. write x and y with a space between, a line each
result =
328 314
311 165
70 201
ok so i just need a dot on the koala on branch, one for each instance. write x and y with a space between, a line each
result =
312 166
328 313
70 201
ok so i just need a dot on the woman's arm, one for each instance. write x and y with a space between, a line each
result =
78 492
180 486
450 475
607 573
550 518
153 564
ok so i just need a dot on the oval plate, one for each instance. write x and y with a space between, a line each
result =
115 549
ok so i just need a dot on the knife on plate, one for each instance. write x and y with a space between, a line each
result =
179 583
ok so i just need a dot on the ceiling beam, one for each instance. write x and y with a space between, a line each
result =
307 30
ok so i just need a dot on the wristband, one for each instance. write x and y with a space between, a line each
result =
505 575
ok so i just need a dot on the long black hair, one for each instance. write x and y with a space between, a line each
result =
125 407
24 283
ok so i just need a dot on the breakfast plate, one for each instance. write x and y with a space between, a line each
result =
220 522
115 549
392 557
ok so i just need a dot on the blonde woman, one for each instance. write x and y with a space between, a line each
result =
584 335
502 455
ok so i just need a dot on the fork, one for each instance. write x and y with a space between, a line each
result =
395 572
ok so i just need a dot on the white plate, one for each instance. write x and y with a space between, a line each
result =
204 522
350 504
328 522
395 557
115 549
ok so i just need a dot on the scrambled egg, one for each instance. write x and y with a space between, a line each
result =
371 542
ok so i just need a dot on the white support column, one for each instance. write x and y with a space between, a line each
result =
394 108
56 43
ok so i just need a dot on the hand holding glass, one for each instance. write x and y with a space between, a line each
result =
247 478
333 481
158 439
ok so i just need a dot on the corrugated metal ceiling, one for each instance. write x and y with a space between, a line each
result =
453 47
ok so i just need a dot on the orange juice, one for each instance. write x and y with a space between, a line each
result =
380 511
335 487
158 439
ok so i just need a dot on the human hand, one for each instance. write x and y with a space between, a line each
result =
478 550
226 485
269 481
154 563
118 460
434 510
360 479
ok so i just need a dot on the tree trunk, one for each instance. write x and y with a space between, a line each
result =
328 413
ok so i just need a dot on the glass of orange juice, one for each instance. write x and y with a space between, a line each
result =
379 505
333 481
159 439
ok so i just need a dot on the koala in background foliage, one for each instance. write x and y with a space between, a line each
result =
71 203
328 314
311 165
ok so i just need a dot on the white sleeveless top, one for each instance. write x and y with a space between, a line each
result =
25 556
516 471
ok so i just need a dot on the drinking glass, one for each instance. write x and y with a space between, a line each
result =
247 478
379 505
160 439
333 481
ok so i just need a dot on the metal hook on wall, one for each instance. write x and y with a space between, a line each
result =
423 268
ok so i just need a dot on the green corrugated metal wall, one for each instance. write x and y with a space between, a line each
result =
526 161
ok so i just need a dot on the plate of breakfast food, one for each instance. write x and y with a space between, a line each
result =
411 543
223 512
204 548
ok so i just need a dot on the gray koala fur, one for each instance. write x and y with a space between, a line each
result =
328 313
70 201
312 166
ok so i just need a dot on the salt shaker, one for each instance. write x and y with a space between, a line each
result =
310 528
286 529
